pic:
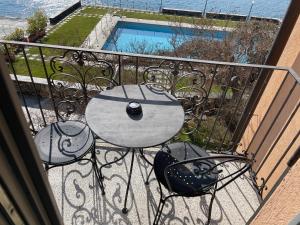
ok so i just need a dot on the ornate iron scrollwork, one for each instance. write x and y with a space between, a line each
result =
76 77
185 83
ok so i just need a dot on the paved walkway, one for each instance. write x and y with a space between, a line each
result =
9 25
98 36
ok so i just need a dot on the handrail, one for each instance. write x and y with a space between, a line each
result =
210 62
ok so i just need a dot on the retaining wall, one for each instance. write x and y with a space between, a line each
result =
54 20
211 15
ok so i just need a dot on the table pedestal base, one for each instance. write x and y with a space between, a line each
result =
125 210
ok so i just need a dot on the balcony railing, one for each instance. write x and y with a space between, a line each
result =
214 95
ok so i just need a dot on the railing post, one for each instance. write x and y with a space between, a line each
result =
20 88
49 83
137 70
120 69
33 84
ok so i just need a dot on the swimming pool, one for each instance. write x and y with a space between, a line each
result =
148 38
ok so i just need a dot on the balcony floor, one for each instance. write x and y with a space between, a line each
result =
80 201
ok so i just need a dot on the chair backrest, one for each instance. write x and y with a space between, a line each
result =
215 171
75 77
183 81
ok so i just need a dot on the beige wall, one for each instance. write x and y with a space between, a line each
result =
284 203
266 114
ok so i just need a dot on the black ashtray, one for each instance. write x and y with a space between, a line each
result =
134 109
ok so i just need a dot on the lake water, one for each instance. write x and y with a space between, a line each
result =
266 8
24 8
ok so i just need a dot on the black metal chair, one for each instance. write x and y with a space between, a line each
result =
76 76
65 142
187 170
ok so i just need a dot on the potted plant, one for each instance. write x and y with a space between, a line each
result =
36 26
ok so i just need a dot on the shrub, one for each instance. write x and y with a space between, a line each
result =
11 55
17 35
37 23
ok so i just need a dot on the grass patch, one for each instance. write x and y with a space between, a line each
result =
73 33
94 10
36 67
200 136
146 16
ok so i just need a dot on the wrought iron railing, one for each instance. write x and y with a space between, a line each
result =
214 94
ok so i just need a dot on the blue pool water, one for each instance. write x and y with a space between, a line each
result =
148 38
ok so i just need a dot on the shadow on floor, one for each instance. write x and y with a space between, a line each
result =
80 201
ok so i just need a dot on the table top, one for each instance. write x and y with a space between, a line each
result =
161 119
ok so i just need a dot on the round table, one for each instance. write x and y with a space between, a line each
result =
161 119
162 116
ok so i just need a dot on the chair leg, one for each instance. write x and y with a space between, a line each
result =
159 211
210 207
98 177
46 167
148 177
96 170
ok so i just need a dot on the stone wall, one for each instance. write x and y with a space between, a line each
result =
27 87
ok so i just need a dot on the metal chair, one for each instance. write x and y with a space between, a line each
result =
187 170
76 76
65 142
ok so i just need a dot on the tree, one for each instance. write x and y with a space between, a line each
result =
254 40
37 23
248 42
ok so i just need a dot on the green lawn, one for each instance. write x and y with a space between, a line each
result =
73 33
36 67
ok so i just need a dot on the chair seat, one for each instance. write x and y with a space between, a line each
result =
62 143
188 179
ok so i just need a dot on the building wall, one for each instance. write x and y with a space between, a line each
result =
259 137
284 204
277 115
